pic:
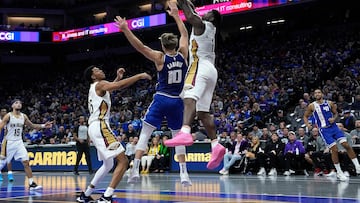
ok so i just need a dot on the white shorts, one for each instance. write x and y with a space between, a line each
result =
15 149
104 140
203 83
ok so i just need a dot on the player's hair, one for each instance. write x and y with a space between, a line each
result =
88 73
15 100
217 18
169 40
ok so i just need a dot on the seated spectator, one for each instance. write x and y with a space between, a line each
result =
355 134
348 121
61 135
235 152
301 134
131 132
147 159
224 138
130 149
294 155
314 147
161 161
280 117
251 154
274 150
256 131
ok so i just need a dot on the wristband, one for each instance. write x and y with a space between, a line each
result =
42 125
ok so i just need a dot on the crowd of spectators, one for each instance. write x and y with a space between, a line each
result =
265 84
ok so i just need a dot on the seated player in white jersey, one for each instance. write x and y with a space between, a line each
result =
14 145
171 66
200 81
325 115
100 133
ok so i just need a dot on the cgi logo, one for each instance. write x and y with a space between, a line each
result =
6 36
138 23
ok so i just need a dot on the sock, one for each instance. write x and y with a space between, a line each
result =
109 192
356 162
214 143
31 180
185 129
183 168
338 168
136 164
89 191
9 172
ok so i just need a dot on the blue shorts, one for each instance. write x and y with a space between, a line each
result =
332 134
165 107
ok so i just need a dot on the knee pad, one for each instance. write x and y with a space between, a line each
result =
108 164
180 150
142 143
145 134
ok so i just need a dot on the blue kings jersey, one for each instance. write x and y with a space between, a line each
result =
171 77
322 113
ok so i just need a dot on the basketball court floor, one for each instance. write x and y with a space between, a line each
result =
166 188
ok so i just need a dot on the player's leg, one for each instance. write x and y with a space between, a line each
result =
99 175
208 84
121 166
152 119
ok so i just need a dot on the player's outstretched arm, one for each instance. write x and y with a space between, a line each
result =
191 16
48 124
149 53
104 85
184 36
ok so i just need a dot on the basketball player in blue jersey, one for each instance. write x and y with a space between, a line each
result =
171 65
3 112
200 80
325 114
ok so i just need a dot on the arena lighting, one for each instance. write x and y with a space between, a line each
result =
249 27
100 15
109 28
25 20
273 22
145 7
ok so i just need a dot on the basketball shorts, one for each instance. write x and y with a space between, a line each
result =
15 149
332 134
200 84
165 107
104 140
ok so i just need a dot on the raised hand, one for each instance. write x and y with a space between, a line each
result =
174 11
120 73
48 124
121 23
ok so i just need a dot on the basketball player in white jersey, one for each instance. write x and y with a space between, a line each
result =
171 66
200 80
3 112
108 148
15 147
